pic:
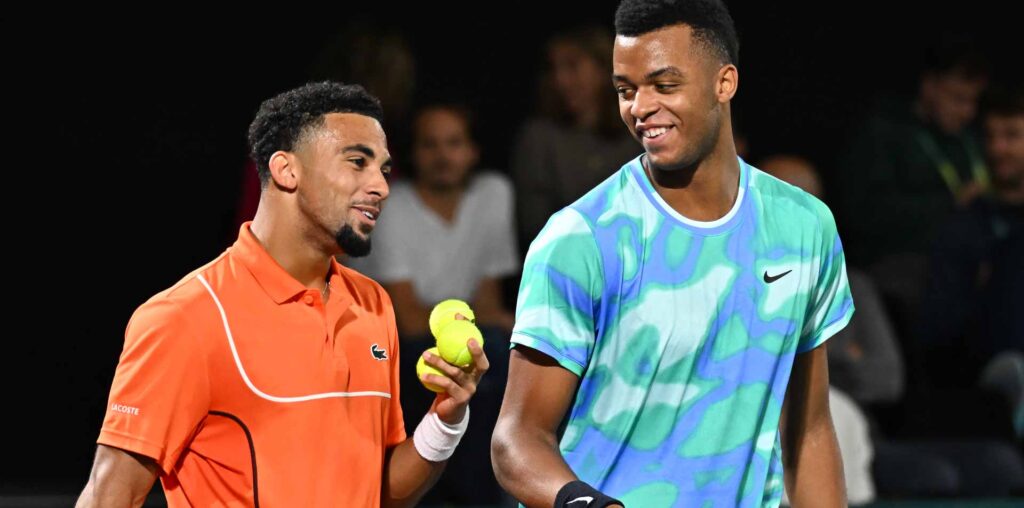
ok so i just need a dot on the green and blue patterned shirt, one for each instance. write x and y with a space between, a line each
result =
683 333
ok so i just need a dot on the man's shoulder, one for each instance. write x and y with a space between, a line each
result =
788 202
567 239
180 303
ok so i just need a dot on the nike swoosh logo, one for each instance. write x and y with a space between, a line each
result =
772 278
586 500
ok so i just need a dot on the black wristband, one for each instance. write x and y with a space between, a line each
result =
577 494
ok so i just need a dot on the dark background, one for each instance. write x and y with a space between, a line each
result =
133 143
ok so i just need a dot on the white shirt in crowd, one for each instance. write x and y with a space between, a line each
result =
444 260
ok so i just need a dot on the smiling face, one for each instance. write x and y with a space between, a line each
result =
673 94
1005 149
340 180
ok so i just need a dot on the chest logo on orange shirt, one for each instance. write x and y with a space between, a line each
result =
378 354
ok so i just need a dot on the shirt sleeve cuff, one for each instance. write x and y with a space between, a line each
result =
135 445
826 332
519 338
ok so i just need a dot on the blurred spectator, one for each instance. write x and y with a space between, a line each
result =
907 167
973 308
449 234
578 138
865 363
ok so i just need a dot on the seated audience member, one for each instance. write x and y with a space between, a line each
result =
578 139
449 233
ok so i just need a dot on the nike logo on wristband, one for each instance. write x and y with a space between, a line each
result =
586 500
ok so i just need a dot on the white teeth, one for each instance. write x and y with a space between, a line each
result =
367 214
653 133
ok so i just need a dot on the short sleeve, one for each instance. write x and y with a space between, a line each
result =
831 304
160 391
395 432
559 295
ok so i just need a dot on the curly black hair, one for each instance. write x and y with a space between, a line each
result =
710 20
284 119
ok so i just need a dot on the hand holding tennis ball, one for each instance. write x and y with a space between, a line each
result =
451 323
452 342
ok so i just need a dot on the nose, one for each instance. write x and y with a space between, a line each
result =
644 104
378 185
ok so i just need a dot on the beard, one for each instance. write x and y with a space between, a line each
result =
351 243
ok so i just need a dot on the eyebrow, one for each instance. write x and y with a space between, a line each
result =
664 71
361 148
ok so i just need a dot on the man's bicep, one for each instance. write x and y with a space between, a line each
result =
807 394
539 390
126 465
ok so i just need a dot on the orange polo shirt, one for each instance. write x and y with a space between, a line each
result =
249 390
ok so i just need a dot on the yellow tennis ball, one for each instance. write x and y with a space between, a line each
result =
453 339
444 313
422 369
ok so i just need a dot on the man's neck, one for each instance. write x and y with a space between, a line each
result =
707 191
295 248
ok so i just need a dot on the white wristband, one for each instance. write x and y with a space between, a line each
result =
436 440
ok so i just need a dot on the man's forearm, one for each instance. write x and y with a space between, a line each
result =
407 475
814 469
106 495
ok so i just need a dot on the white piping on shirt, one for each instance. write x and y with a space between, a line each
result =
257 391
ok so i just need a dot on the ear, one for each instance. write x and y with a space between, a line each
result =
284 170
728 81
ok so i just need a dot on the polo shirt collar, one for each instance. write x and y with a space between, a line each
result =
275 280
